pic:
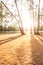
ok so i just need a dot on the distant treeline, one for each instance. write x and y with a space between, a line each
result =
8 28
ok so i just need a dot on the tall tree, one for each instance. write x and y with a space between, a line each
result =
38 17
21 27
0 16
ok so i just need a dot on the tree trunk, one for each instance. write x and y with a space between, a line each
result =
21 27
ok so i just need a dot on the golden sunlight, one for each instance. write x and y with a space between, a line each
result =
27 23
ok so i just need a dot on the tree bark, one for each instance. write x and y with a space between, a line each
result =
21 27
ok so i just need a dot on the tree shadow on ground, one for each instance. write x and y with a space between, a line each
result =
37 52
9 39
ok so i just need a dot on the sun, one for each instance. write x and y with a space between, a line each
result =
26 20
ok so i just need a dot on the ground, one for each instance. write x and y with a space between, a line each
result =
24 50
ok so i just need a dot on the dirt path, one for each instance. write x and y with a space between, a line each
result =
21 51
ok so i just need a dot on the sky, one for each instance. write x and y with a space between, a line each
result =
25 13
10 2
